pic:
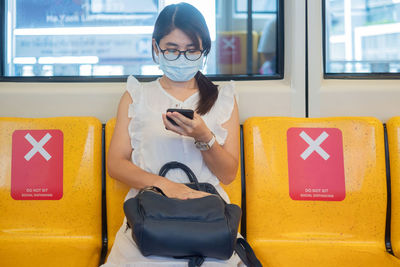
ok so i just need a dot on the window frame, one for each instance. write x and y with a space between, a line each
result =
348 75
122 78
2 37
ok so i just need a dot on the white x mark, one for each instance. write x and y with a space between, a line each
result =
314 145
37 146
229 43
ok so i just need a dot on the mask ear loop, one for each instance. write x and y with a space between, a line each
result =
157 57
205 59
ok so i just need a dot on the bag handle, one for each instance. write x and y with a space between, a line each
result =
177 165
246 253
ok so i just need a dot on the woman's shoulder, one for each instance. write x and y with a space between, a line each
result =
222 110
135 88
132 86
134 82
226 94
228 88
223 107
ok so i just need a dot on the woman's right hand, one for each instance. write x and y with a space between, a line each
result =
177 190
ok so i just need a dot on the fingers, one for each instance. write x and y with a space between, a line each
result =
170 126
180 191
181 120
183 127
188 193
192 194
198 194
195 127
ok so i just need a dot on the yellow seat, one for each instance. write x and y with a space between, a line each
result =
292 222
116 192
50 216
393 128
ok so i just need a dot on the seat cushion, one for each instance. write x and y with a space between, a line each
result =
304 254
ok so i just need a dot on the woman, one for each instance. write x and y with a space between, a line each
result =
144 139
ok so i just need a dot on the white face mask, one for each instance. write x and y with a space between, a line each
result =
180 70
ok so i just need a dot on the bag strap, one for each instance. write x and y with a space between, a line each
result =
246 253
177 165
194 261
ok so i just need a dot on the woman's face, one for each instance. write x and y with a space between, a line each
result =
176 39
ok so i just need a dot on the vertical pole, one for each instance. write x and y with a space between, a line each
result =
249 58
2 37
306 62
348 32
326 20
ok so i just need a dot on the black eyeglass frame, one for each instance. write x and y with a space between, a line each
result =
180 53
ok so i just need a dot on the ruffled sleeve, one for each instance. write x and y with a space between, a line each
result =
224 107
133 87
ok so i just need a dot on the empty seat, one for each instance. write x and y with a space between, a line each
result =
116 192
50 191
316 191
393 128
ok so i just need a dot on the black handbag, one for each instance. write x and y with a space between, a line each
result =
192 228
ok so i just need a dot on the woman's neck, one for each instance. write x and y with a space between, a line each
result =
170 84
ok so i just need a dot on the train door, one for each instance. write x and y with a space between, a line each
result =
353 59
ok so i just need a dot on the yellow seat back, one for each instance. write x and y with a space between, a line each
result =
65 229
393 129
116 192
274 216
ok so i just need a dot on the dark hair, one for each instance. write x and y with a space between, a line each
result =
189 20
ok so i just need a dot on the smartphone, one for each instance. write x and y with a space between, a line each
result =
188 113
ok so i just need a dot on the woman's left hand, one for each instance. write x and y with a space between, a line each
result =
195 128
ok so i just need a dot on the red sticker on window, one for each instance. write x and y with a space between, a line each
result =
229 50
315 162
37 165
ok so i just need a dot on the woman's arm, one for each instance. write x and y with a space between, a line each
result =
221 160
121 168
119 165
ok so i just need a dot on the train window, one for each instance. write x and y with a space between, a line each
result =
112 38
361 37
258 6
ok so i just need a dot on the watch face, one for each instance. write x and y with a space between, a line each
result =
202 146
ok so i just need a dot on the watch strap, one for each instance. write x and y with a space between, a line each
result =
212 141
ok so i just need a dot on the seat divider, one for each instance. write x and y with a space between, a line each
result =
104 232
388 242
243 177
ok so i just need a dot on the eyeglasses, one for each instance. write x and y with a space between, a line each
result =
173 54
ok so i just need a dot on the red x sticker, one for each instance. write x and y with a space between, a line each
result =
315 162
229 50
37 165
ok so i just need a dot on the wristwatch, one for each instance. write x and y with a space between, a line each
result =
203 146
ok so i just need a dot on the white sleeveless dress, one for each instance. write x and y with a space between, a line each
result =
153 146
